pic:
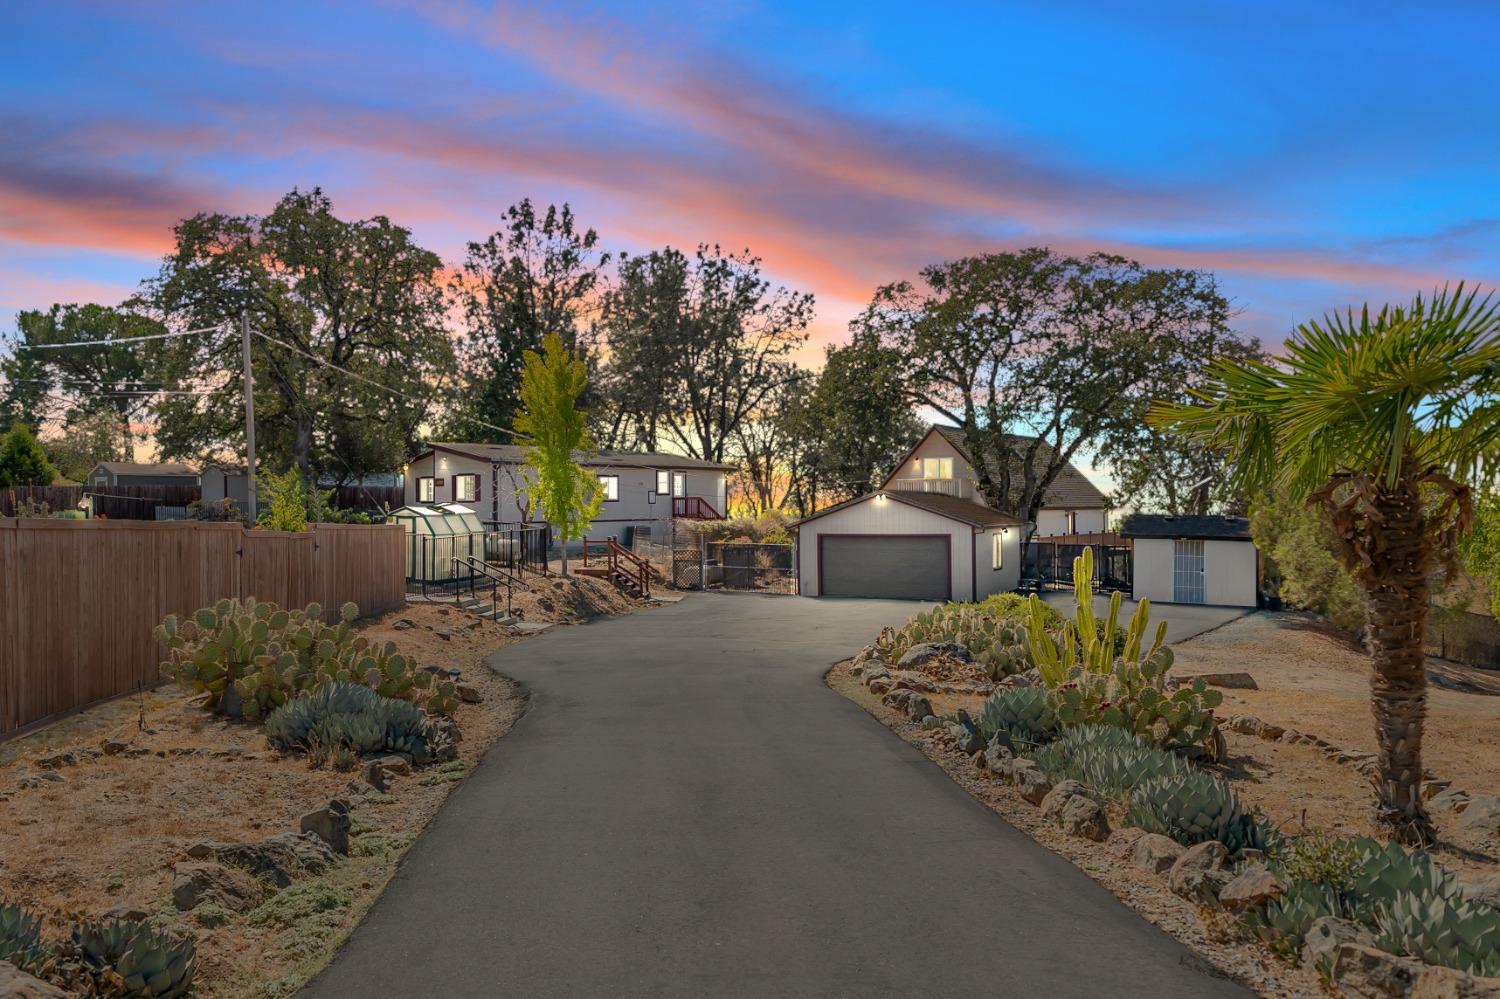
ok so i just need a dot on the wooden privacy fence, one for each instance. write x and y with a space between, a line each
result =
79 599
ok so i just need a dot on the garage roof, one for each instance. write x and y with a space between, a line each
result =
962 510
1150 525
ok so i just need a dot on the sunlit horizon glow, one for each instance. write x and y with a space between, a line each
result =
845 148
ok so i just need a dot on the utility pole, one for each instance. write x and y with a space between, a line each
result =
249 415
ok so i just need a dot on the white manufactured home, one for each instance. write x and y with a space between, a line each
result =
641 489
1193 560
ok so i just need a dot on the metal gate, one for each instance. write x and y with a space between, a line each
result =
1187 572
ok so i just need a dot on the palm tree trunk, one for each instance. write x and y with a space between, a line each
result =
1396 595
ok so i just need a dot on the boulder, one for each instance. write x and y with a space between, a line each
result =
1081 816
918 708
468 693
1432 788
998 759
1363 971
17 984
881 684
375 775
125 910
277 860
1156 852
1122 843
1449 983
1324 936
1252 889
1231 681
1030 678
1199 873
1482 815
1451 799
330 824
896 699
966 738
1055 799
112 747
924 652
1484 892
915 681
196 883
1030 781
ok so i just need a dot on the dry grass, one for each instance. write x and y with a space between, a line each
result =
112 830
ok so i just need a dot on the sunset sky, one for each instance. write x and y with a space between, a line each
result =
1312 155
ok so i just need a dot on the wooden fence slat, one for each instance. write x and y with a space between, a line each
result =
79 599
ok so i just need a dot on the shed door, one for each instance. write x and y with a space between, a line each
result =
895 566
1187 572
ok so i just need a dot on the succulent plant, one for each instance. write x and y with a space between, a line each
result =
1110 761
1283 922
1195 807
1134 696
342 721
125 957
1088 644
991 631
1022 710
1444 930
1386 872
21 939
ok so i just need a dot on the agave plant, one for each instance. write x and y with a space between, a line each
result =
1380 419
126 957
343 720
1022 710
1442 930
1195 807
21 939
1111 761
1283 923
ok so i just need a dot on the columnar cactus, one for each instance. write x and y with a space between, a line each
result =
1087 643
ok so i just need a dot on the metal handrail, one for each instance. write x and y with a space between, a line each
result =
493 573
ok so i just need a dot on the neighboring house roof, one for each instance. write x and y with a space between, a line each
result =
962 510
512 454
1071 490
144 468
1151 525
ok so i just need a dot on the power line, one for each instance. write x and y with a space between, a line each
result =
368 381
113 342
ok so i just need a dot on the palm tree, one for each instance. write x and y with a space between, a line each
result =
1380 420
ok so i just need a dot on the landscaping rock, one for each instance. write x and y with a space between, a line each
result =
1482 815
1122 842
1231 681
197 883
1030 678
375 775
1486 892
881 684
998 759
1156 852
404 624
57 761
916 681
1254 887
330 824
1199 873
468 693
896 699
918 708
1432 788
38 780
1030 781
1081 816
276 859
113 747
1325 935
1055 799
17 984
124 910
1452 800
925 652
965 737
932 723
1361 970
1449 983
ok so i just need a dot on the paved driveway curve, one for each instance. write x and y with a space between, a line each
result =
687 810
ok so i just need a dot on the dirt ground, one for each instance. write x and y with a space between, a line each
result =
110 832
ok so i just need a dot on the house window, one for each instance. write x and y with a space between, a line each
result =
425 493
1072 522
997 550
663 483
679 483
937 468
466 488
610 486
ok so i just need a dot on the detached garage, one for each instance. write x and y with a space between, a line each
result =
1193 560
908 546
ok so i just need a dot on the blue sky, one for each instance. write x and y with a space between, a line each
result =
1311 155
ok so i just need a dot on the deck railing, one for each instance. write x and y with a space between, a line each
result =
960 488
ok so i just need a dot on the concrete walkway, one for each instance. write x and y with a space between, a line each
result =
1184 621
687 810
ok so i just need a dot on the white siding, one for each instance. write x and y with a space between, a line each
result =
1229 569
987 578
1053 521
886 516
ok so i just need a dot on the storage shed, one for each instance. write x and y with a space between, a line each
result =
1193 559
434 536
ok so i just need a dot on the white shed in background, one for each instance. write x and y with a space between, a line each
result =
1193 560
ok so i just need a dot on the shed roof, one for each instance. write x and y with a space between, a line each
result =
962 510
147 468
1192 527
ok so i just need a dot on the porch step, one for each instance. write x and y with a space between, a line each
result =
595 571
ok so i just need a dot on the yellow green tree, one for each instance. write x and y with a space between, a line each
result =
554 433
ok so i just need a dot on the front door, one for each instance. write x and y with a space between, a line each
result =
1187 572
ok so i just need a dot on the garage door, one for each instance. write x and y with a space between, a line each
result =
897 566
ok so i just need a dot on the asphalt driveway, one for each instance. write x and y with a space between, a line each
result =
687 810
